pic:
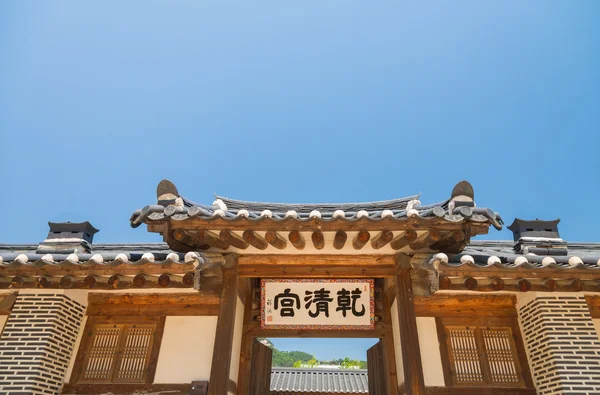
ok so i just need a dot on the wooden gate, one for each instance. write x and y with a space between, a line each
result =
260 375
378 380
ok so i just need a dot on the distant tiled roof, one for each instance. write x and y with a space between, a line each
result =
501 254
320 380
459 207
105 254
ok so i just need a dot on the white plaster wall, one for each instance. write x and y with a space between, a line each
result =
397 347
186 350
431 357
75 349
236 347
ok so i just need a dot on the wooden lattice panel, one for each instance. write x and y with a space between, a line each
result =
500 352
464 355
121 350
480 353
135 354
102 353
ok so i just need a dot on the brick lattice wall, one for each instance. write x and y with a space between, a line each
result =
37 342
563 345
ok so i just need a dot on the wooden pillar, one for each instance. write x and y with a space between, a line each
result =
246 348
221 361
414 383
389 351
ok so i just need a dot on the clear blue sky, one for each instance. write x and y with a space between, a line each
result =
311 101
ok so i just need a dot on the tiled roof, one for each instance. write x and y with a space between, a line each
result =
478 254
502 254
103 254
460 207
320 380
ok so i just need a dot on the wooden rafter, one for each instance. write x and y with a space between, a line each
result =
361 238
255 240
275 240
297 239
233 239
381 239
318 239
339 240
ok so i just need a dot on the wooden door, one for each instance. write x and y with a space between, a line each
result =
260 371
378 380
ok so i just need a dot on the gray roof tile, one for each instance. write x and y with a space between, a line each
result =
320 380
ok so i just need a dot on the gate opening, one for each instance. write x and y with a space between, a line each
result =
306 366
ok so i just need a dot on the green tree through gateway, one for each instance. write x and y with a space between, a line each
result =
300 359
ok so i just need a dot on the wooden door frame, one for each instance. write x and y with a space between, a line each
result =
383 331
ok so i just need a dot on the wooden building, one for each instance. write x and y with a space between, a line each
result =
453 315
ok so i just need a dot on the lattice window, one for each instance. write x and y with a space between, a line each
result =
479 355
119 350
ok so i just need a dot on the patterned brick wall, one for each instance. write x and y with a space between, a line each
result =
563 345
37 342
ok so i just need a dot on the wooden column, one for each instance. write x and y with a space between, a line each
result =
221 361
389 351
246 347
414 383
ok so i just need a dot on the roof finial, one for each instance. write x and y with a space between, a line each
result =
463 188
166 190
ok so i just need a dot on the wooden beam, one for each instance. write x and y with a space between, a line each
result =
315 271
297 240
403 239
273 238
409 336
255 240
425 240
361 238
122 389
253 329
452 305
227 236
339 239
108 304
153 310
318 239
317 260
152 298
221 361
382 239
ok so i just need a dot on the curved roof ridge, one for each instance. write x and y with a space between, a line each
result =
244 204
